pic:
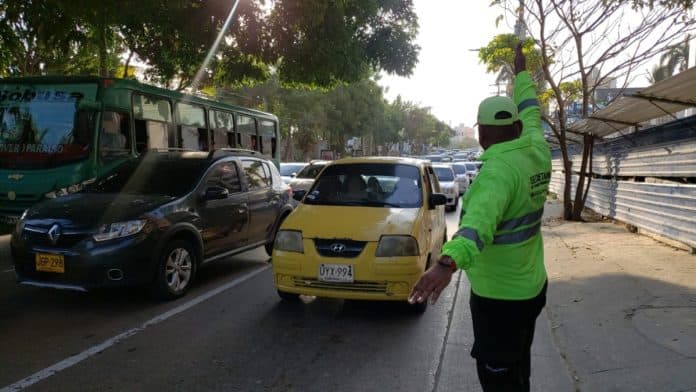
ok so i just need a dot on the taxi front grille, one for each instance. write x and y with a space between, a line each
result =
364 286
339 248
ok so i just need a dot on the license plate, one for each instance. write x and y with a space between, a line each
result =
336 273
50 263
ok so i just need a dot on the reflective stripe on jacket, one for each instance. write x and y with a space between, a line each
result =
499 240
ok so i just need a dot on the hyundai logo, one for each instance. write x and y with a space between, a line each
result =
54 233
338 248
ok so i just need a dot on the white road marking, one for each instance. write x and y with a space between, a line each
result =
77 358
5 271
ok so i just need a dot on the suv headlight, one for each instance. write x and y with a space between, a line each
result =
289 240
119 230
19 226
397 245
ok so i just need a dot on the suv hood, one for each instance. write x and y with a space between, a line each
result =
350 222
86 210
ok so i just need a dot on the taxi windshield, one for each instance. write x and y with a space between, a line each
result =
368 185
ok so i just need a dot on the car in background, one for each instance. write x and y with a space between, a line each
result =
460 177
152 221
305 177
472 169
448 185
367 229
288 170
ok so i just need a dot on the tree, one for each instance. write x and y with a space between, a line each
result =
674 60
499 54
572 39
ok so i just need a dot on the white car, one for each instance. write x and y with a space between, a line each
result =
461 178
472 169
288 170
305 177
448 185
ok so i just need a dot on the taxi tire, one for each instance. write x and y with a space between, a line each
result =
160 289
289 297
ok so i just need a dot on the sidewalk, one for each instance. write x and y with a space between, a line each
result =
622 307
620 315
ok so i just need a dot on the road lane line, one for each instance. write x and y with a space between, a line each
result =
77 358
5 271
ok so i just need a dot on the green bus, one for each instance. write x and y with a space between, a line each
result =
58 134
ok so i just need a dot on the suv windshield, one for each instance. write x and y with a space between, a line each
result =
145 177
41 126
444 173
369 185
310 171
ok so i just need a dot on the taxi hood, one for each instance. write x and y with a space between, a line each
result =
352 222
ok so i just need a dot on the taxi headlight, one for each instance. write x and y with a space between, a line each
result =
119 230
397 245
289 240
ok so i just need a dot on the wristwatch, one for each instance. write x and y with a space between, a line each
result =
448 262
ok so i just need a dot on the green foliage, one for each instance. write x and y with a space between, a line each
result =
499 54
321 43
570 92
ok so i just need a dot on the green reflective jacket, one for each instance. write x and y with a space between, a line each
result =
499 240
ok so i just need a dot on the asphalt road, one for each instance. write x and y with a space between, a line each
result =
231 333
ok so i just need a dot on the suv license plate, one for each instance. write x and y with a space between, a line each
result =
342 273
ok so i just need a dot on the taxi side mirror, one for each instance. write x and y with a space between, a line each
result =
437 199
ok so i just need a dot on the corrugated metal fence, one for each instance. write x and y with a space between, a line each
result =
627 191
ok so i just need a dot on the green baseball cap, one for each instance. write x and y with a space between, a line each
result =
497 110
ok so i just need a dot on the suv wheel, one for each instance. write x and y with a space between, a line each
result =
176 271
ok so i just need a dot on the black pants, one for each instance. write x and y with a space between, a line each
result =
503 335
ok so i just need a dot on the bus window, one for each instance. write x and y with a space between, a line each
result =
114 135
222 124
267 130
246 129
193 130
152 117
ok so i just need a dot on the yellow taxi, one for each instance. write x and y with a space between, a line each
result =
366 229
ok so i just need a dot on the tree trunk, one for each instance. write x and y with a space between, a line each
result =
567 178
125 67
578 204
103 68
590 173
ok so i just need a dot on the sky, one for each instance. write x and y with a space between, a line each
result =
448 77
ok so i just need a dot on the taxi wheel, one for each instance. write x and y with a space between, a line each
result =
289 297
176 270
419 308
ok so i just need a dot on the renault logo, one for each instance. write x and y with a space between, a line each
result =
15 176
338 248
54 233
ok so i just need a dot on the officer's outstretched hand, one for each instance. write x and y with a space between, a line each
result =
520 59
431 284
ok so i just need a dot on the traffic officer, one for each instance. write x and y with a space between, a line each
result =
499 242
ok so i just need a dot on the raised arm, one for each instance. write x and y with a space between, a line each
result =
525 97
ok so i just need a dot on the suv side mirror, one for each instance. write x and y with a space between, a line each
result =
299 195
437 199
216 193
